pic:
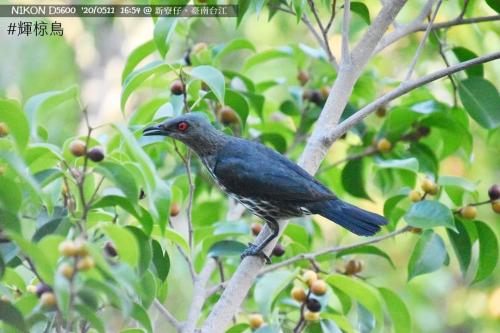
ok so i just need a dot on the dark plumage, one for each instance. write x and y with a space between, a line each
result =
267 183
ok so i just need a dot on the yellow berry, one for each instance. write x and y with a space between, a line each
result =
309 277
415 196
255 320
81 248
48 300
325 91
384 145
199 47
495 205
299 294
318 287
31 288
66 270
68 248
4 129
429 186
469 212
311 316
353 267
228 116
303 77
78 148
85 263
175 209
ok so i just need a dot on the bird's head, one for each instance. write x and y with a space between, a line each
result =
193 129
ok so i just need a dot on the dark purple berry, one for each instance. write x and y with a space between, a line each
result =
313 305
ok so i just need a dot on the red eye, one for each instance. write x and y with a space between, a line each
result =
182 126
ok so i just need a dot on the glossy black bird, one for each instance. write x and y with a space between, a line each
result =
266 182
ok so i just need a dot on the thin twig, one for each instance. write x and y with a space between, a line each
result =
167 315
422 42
334 249
332 16
345 33
447 63
324 32
372 150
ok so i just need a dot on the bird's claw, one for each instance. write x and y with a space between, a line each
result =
254 250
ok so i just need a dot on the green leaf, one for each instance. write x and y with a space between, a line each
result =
488 251
410 164
137 77
46 101
289 108
95 321
120 175
400 316
177 238
429 214
494 4
367 249
213 78
362 292
481 100
464 54
125 242
145 250
16 120
265 56
462 245
161 260
353 179
163 32
11 315
234 45
136 56
226 248
238 103
11 196
361 9
238 328
141 315
428 255
242 9
270 286
276 140
61 288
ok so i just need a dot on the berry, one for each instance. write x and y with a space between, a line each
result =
175 209
416 230
306 95
68 248
415 196
469 212
429 186
67 271
255 320
110 249
495 205
4 129
48 300
31 289
199 47
494 192
228 116
353 267
313 305
384 145
309 277
85 263
78 148
318 287
325 91
177 88
299 294
303 77
278 250
256 228
311 316
42 288
81 248
316 97
381 111
96 154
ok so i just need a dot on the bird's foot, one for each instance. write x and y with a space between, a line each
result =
254 250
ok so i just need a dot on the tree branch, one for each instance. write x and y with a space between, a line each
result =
345 32
199 293
334 249
422 42
401 90
167 315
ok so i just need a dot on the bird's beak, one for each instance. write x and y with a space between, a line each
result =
155 130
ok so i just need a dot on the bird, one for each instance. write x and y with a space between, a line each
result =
267 183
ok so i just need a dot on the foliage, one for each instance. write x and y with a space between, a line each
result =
122 217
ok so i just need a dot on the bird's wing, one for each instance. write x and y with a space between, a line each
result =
252 170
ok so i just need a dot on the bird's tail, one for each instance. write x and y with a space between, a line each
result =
354 219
